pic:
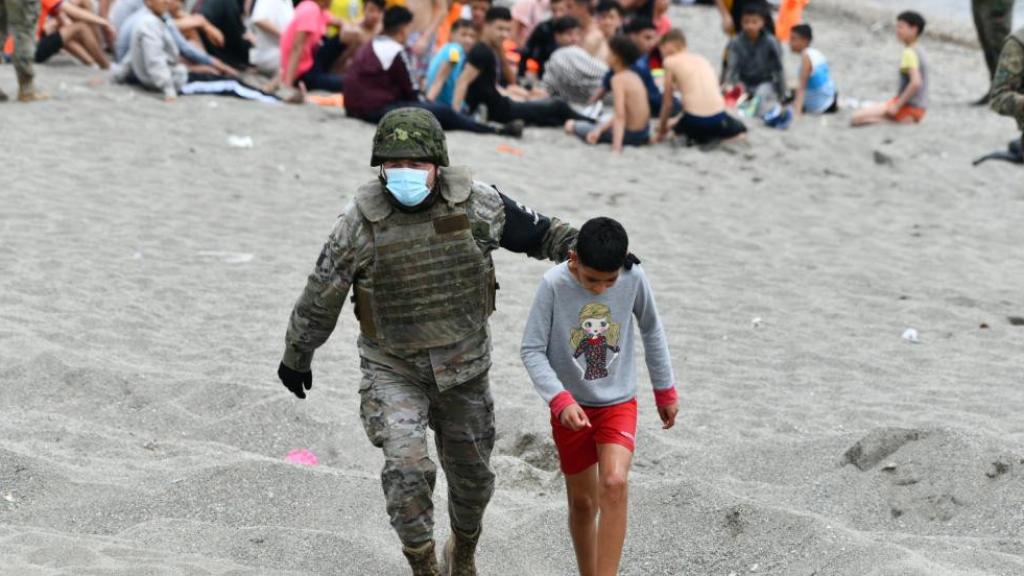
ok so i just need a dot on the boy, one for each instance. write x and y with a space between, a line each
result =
447 63
541 43
269 19
815 92
704 119
609 18
593 41
911 102
153 58
578 349
755 61
305 56
572 74
631 123
641 31
478 84
71 25
378 81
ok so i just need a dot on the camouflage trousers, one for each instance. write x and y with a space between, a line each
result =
21 17
399 401
993 20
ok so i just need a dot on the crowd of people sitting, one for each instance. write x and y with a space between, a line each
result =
604 70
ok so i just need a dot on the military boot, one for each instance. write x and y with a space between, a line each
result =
422 560
459 554
27 90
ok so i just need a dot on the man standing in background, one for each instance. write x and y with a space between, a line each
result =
21 16
994 21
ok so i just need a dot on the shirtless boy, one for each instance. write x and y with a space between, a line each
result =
631 123
704 117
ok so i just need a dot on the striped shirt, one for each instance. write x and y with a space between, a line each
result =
573 75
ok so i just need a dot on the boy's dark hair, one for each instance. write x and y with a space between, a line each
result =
912 19
396 17
638 24
606 6
564 24
624 49
460 24
803 31
602 243
756 8
498 13
673 35
382 4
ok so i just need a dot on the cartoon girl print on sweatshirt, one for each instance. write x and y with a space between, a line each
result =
596 335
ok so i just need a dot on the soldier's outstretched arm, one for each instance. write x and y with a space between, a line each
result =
316 312
1009 77
534 234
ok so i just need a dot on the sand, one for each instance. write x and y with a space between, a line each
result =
147 270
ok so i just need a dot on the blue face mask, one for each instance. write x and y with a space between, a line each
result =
407 185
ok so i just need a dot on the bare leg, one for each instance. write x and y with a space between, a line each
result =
92 45
72 36
582 491
612 499
869 115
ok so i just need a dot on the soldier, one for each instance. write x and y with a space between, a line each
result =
993 20
21 16
1008 85
416 245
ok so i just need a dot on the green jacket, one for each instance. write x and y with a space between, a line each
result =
348 258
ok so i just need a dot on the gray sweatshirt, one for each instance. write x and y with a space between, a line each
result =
582 344
153 57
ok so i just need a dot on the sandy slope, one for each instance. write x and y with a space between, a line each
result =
147 270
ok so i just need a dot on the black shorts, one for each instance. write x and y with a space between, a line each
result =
48 46
705 129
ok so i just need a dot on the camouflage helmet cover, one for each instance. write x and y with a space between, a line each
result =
409 134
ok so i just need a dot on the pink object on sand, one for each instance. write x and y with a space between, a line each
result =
302 456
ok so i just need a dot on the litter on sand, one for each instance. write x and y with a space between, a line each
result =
240 141
302 456
227 257
910 335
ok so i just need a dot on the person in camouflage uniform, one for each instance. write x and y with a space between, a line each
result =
993 19
1008 84
423 287
21 17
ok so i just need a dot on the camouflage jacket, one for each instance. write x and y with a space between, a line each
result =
1008 84
348 254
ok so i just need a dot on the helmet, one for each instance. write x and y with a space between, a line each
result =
409 134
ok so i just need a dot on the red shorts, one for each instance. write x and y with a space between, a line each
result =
614 424
908 112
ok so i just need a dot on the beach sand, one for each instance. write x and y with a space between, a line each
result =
147 270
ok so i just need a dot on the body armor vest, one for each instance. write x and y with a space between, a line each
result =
430 285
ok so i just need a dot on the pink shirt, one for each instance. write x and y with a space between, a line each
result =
312 20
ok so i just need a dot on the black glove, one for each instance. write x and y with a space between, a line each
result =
295 381
631 260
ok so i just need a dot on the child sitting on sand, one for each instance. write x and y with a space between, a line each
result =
704 119
815 92
910 103
630 125
755 61
579 351
446 65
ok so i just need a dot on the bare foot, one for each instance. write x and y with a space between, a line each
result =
570 126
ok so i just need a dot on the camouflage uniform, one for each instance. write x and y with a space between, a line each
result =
21 16
423 290
993 20
1008 84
